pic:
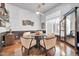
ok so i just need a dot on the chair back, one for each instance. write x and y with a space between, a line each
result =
26 39
27 35
50 35
50 42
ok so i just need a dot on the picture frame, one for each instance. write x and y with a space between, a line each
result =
27 22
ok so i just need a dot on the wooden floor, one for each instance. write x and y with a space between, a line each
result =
15 50
71 41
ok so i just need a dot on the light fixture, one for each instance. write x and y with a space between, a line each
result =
37 12
40 8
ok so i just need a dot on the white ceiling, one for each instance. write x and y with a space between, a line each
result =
33 6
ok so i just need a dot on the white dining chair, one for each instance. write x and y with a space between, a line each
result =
49 43
27 41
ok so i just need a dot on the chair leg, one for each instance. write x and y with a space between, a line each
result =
28 51
54 49
22 48
46 52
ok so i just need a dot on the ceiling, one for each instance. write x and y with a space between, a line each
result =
33 6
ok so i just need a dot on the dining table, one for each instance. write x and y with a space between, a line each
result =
38 38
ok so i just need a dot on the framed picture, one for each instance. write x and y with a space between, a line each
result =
27 22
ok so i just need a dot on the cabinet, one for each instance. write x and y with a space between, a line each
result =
0 42
9 39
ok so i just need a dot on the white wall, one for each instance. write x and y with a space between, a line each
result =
53 19
18 14
2 29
